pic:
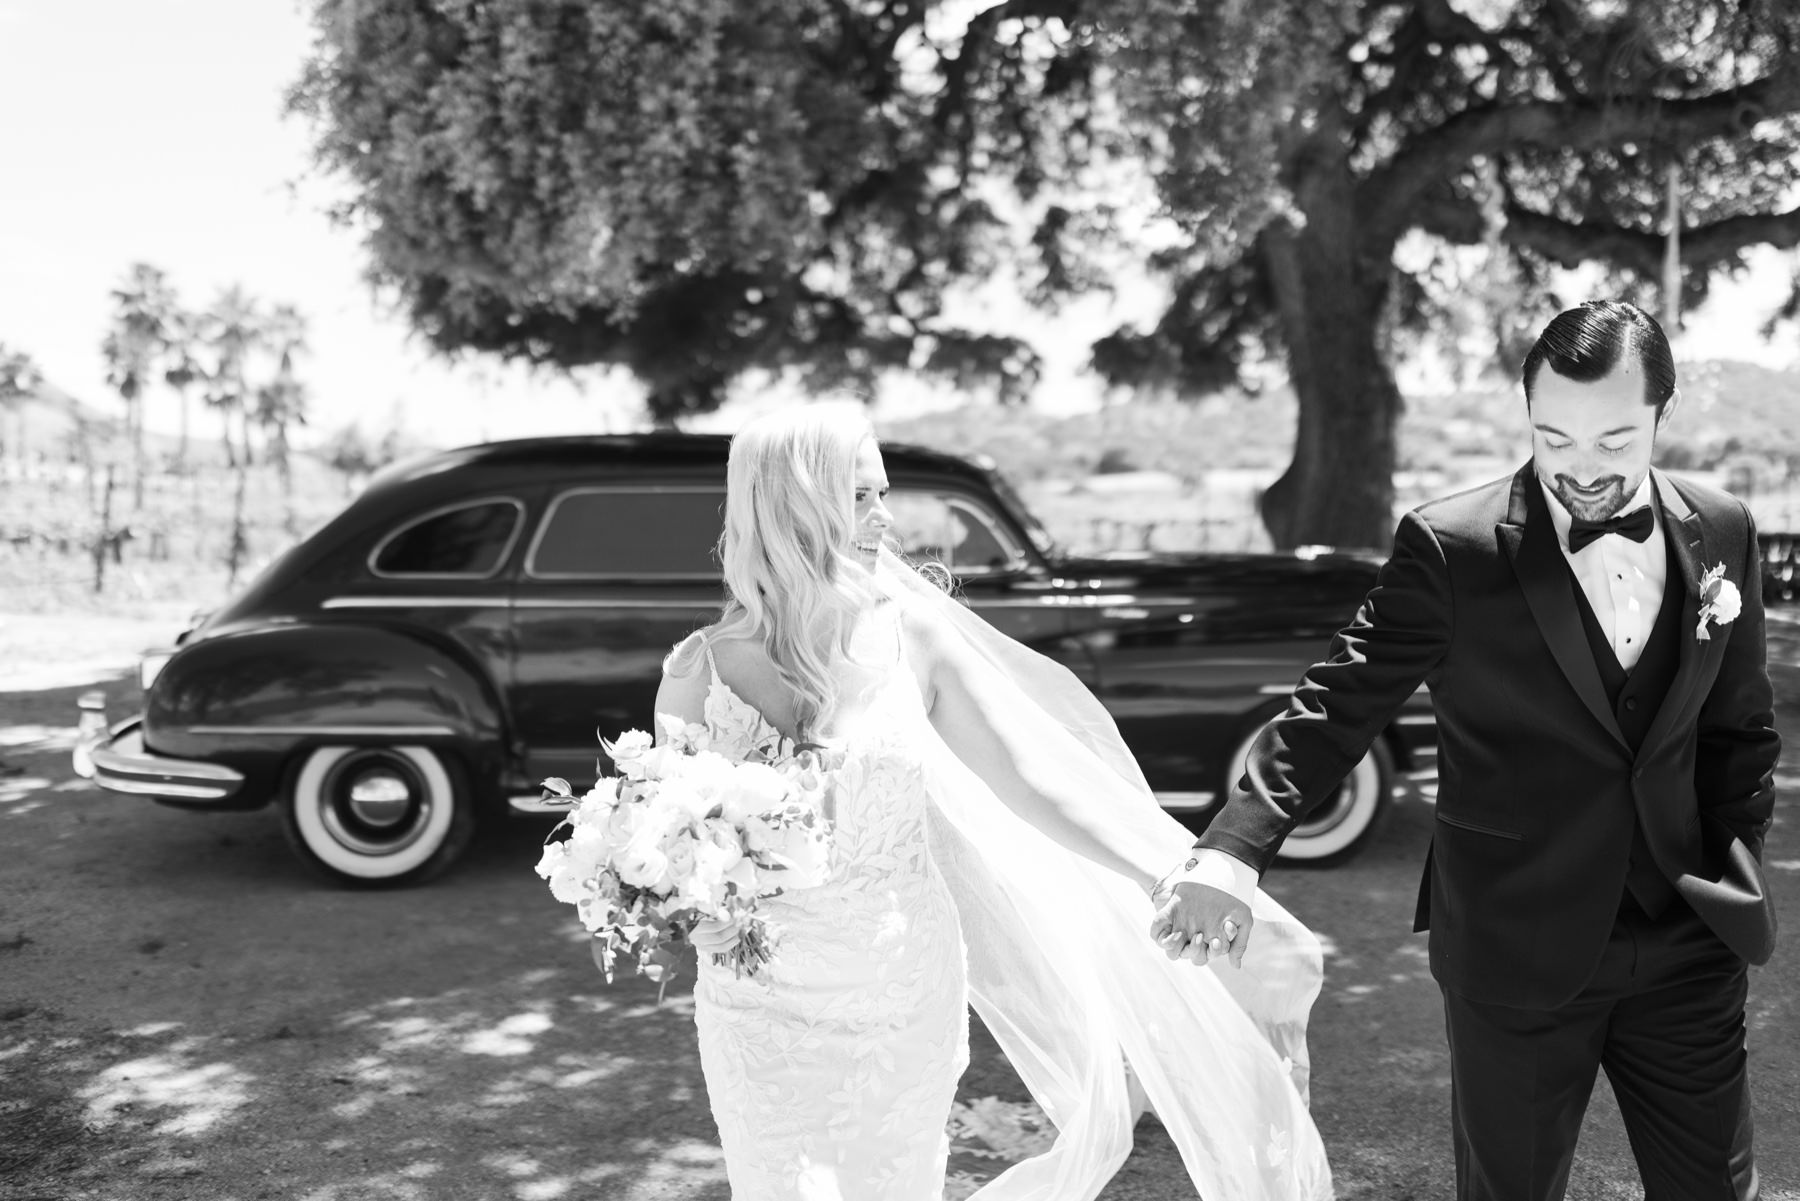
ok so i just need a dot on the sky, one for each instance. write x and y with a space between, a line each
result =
152 130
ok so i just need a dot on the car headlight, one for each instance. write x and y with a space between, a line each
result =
151 665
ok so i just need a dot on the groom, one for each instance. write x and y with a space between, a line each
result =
1592 634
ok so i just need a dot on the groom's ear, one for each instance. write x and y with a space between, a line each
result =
1668 409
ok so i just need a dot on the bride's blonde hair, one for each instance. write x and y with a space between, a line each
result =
790 515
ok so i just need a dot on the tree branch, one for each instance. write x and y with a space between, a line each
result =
1571 243
1388 195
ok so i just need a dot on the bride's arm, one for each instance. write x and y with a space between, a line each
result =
682 691
968 703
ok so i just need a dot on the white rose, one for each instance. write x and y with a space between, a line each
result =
681 800
753 788
635 835
658 763
629 746
642 864
1727 603
565 883
589 847
679 847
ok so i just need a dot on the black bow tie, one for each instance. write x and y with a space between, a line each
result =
1635 525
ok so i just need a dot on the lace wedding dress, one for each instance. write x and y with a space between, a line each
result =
832 1069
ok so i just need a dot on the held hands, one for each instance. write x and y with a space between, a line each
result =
1200 923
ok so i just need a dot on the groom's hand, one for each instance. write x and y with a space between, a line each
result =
1200 923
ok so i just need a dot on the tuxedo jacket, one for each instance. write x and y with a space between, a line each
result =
1540 792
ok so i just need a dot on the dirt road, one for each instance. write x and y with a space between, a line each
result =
186 1014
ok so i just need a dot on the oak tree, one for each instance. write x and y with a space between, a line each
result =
699 187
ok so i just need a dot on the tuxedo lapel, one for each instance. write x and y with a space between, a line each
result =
1687 539
1530 541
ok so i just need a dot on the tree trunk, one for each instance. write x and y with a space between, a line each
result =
1339 488
137 454
105 534
181 450
226 437
238 550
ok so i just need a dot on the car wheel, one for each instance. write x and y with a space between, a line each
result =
1336 829
376 815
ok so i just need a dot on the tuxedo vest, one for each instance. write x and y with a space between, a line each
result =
1635 696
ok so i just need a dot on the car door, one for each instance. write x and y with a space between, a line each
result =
1188 669
615 575
441 574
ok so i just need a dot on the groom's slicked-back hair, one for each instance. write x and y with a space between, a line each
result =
1586 342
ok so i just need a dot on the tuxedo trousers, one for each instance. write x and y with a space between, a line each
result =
1663 1016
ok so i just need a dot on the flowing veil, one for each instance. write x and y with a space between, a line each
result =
1063 973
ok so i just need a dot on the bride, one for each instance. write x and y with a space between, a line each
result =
994 846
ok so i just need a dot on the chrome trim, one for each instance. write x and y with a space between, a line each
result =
122 765
415 602
91 730
133 786
1185 800
512 540
334 731
537 537
1017 557
553 602
1086 602
536 804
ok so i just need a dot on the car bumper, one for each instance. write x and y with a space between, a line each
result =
115 758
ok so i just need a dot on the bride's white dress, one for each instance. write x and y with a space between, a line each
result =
831 1071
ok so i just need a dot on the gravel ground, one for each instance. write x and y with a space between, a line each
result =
186 1014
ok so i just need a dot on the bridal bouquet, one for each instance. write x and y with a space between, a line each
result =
683 834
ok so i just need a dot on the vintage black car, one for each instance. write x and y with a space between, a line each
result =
465 627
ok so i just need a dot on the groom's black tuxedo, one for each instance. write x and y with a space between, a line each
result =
1561 776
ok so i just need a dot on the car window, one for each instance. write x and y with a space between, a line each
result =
952 529
468 541
627 532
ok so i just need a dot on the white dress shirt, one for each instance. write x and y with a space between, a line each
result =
1622 580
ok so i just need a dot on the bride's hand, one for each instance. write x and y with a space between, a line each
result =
712 937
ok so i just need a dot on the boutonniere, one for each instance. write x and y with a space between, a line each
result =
1720 602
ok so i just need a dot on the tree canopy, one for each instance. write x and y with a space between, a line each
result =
702 186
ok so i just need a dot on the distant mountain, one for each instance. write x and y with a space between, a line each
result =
51 423
1728 409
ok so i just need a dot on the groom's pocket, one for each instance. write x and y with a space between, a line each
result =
1477 828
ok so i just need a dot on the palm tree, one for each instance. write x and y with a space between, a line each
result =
182 368
141 311
233 331
281 403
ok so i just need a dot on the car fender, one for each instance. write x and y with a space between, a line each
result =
252 698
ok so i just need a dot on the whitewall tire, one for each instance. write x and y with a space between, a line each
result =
1338 828
377 815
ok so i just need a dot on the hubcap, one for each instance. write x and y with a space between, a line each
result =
374 802
380 798
1331 814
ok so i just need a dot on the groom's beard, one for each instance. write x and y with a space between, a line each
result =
1604 499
